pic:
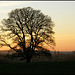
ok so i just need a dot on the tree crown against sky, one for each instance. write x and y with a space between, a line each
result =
27 28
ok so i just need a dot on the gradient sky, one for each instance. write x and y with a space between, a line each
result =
61 12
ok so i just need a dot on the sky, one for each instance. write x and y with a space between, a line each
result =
62 14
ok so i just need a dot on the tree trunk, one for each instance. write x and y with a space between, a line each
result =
28 55
28 60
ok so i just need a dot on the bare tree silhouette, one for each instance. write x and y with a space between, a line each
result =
27 23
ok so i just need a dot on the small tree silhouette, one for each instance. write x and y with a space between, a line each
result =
27 23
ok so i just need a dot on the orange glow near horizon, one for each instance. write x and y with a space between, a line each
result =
4 48
61 45
65 43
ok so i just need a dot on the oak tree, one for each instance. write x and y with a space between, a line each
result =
26 28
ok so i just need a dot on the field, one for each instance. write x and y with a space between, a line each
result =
60 64
67 67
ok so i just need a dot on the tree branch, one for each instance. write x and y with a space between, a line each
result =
8 45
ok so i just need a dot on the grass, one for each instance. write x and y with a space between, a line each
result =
67 67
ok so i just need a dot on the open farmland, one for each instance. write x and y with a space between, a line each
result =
38 68
58 64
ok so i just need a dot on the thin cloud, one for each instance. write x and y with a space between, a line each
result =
7 6
12 3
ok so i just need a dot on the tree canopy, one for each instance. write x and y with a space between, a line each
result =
27 28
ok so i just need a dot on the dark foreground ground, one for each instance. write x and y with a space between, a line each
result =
67 67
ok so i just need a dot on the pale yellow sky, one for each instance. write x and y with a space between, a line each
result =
61 12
